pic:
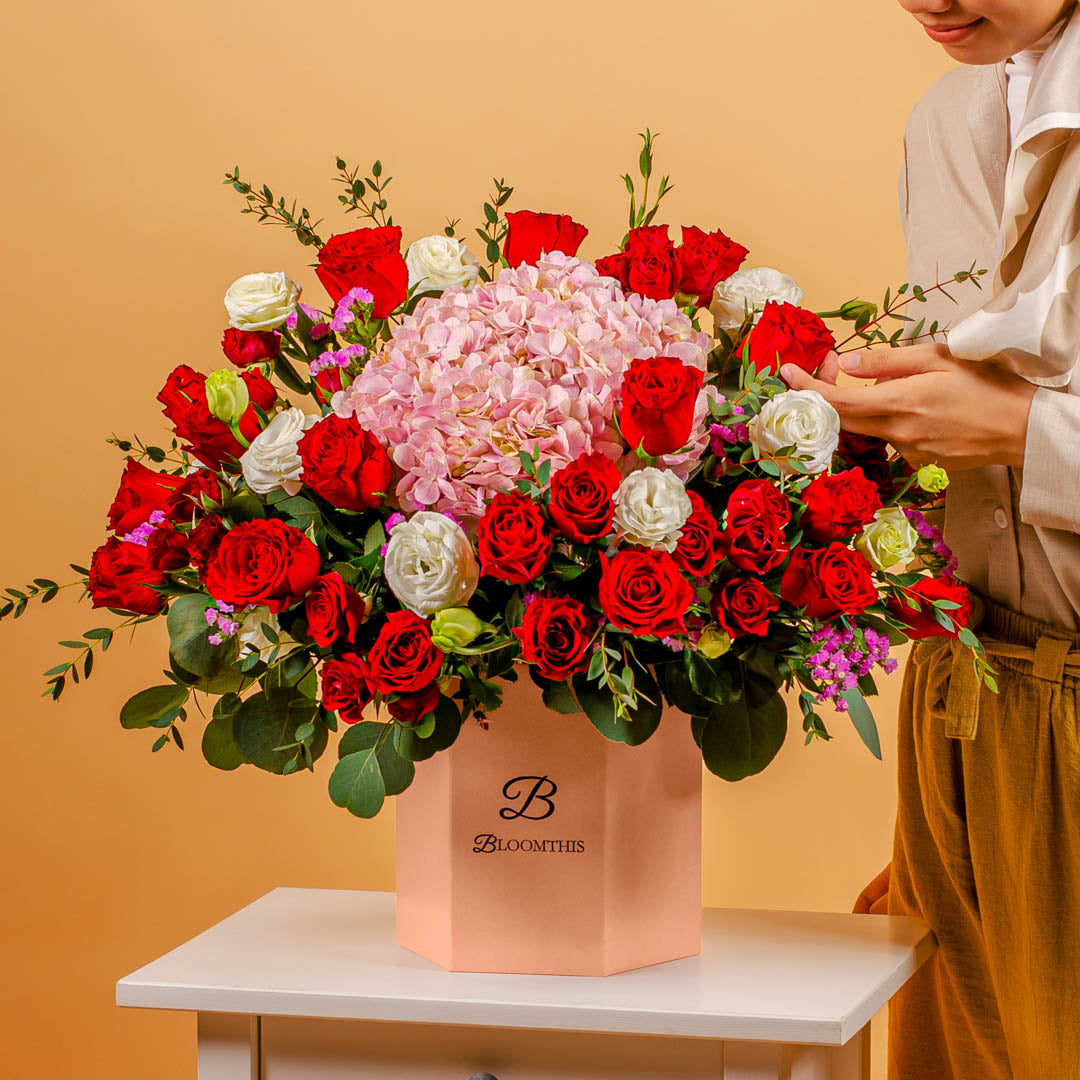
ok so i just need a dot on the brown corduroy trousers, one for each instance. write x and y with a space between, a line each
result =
987 852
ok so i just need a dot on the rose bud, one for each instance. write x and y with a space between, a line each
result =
456 628
226 395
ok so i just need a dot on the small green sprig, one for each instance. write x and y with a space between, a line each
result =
271 208
43 589
364 195
495 227
641 213
141 451
70 669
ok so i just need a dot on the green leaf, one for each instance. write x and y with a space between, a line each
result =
374 538
715 680
447 727
740 739
357 784
218 740
246 508
375 740
267 721
863 719
599 706
147 706
558 698
965 636
300 512
188 634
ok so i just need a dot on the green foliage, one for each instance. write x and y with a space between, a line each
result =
156 707
863 719
640 212
271 209
410 745
367 195
369 769
265 728
628 724
218 740
495 227
741 738
188 638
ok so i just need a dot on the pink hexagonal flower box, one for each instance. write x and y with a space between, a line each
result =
538 846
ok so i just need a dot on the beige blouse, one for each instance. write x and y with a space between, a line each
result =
1015 532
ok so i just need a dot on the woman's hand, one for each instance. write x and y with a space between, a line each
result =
932 407
874 899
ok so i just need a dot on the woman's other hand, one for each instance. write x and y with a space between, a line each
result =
874 899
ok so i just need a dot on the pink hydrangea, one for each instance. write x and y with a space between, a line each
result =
531 361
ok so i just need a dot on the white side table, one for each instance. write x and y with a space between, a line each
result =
309 984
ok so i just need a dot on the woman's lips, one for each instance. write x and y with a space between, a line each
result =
950 35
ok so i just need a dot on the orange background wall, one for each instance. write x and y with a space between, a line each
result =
780 122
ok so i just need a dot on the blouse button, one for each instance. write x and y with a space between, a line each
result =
1001 519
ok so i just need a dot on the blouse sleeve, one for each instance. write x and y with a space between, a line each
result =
1050 497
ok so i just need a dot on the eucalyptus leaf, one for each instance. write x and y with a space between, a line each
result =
740 739
219 744
266 721
447 727
147 706
599 706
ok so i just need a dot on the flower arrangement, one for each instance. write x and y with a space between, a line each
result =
458 472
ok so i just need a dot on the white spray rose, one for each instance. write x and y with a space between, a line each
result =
651 507
889 539
261 301
749 291
271 461
437 262
802 419
252 638
429 563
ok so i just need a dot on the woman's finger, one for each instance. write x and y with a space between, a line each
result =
829 369
893 363
851 402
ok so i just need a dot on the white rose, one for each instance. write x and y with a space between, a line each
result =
252 638
437 262
749 291
271 461
802 419
651 507
889 539
261 301
429 563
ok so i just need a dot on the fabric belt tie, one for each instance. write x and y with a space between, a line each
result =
1051 658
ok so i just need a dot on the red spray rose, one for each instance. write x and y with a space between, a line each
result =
832 581
758 500
203 542
786 334
120 578
641 590
410 708
141 492
345 687
210 440
653 267
512 539
529 234
186 503
344 464
755 544
166 549
920 622
403 659
705 259
263 562
555 634
659 397
247 347
367 258
743 606
581 505
699 548
615 266
334 610
838 506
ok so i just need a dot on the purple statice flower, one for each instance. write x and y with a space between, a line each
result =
340 358
314 314
937 542
842 659
345 312
225 627
141 533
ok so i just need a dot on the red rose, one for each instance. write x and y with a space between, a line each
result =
166 549
871 454
699 548
555 634
786 334
329 382
186 503
659 398
705 259
838 506
529 235
411 708
203 542
120 578
403 659
141 492
581 505
334 610
263 561
210 440
758 500
641 590
369 259
247 347
755 544
345 687
832 581
920 622
345 464
512 540
653 267
743 606
615 266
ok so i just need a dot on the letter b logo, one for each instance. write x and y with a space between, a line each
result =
537 797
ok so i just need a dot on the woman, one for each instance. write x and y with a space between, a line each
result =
987 846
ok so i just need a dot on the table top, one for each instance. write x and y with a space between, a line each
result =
762 975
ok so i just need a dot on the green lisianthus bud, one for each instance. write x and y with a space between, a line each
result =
713 642
227 395
455 628
856 310
932 478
